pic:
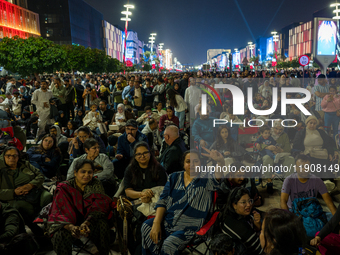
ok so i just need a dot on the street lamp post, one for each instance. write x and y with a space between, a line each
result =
275 40
126 19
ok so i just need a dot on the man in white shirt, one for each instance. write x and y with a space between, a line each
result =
41 99
192 98
7 103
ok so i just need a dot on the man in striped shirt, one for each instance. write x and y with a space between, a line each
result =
321 90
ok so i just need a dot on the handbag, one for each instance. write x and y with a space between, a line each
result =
319 153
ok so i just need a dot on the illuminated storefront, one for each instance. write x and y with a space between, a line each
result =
17 21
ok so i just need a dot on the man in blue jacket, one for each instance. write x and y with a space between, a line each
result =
126 143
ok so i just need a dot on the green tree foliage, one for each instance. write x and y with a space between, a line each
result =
39 55
31 56
75 59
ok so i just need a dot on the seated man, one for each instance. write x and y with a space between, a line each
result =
203 131
237 179
144 118
55 130
126 142
11 223
152 133
303 184
171 157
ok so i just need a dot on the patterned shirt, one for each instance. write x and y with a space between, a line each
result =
321 89
187 207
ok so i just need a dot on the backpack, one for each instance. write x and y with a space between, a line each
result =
311 214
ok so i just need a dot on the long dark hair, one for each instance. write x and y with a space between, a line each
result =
172 97
134 165
234 196
220 141
282 227
56 150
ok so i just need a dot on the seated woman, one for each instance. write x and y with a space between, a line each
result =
71 128
143 174
279 228
80 208
241 223
20 179
315 143
79 116
227 146
182 208
46 156
85 133
103 167
121 117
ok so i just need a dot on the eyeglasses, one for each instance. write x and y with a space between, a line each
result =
144 154
130 129
250 202
12 156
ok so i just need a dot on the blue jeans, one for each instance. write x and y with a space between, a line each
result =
331 120
181 116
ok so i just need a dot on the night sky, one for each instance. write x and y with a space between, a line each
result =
189 28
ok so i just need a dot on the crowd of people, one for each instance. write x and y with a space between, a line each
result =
98 141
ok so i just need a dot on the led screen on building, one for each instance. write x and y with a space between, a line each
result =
326 38
270 47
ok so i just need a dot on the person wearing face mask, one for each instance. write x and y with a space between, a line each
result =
241 222
46 157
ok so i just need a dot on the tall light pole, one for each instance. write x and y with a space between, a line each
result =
336 11
275 40
337 17
152 39
251 47
126 19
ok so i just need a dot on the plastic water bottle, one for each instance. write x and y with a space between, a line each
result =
71 157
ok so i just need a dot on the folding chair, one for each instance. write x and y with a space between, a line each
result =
203 235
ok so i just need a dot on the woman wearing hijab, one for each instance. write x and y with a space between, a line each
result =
62 120
121 117
25 97
79 116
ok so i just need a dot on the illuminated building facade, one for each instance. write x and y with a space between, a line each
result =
18 21
113 41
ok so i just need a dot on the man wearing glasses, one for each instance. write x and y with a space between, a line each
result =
126 143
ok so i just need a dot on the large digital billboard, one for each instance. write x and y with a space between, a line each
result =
236 58
326 38
270 47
